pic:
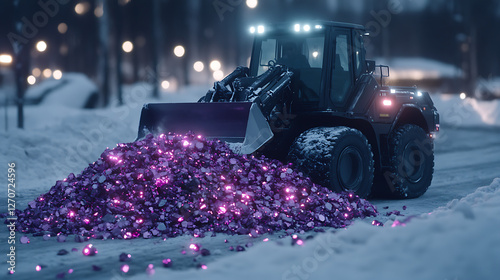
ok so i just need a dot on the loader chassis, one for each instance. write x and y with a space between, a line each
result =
312 99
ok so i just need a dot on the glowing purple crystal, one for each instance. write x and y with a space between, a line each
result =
89 250
125 268
167 263
124 257
96 267
62 252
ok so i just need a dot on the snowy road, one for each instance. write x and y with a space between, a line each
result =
466 158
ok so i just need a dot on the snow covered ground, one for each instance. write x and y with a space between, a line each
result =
469 112
451 232
418 68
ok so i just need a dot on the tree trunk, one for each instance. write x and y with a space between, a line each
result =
103 71
156 45
118 50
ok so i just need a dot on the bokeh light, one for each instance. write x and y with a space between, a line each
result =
82 8
252 3
31 80
62 28
41 46
165 84
36 72
47 73
98 11
57 74
179 51
127 46
215 65
218 75
5 59
198 66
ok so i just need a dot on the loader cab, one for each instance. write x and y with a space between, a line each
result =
326 58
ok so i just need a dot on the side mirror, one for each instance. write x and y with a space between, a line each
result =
370 66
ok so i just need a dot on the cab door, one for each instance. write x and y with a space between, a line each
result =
341 78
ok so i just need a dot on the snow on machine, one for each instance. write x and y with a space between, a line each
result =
311 98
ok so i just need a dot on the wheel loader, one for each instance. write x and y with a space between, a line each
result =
310 97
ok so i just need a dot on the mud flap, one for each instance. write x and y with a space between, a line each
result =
227 121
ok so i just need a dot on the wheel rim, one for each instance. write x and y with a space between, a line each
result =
413 163
350 168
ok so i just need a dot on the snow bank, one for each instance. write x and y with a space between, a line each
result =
443 244
59 139
73 90
417 68
468 112
488 89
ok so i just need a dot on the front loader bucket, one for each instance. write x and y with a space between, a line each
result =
227 121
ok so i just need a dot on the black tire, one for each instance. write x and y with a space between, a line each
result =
339 158
412 163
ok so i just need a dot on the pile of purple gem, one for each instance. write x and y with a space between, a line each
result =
184 184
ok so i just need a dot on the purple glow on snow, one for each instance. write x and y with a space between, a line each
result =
70 270
125 268
397 223
38 268
150 269
203 266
